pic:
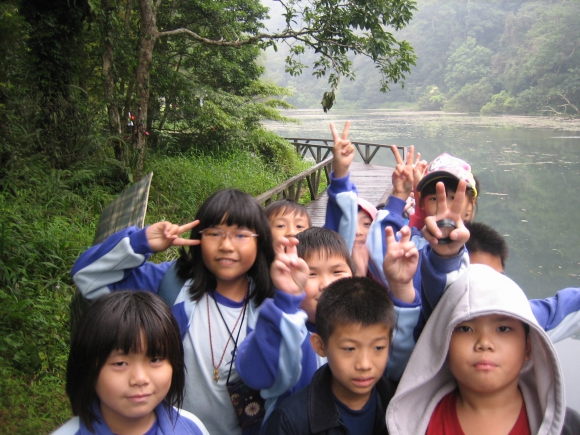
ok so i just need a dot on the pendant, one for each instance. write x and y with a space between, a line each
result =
216 374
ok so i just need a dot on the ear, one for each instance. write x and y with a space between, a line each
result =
317 344
528 354
470 213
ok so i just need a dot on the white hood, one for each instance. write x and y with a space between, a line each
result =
427 379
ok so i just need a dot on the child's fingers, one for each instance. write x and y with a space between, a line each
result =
291 247
345 130
431 231
441 198
395 152
418 158
183 228
457 203
335 136
280 247
390 236
411 155
185 242
405 235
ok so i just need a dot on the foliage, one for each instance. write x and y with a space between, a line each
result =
470 97
500 103
467 65
432 99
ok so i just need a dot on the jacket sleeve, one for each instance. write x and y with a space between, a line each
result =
342 208
119 263
269 358
560 314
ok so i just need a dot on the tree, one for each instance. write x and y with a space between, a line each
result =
332 29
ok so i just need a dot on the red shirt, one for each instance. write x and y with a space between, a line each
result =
444 420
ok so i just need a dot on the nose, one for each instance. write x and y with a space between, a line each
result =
484 342
363 361
226 243
323 282
290 231
139 375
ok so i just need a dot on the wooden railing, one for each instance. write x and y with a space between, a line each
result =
321 151
292 188
321 148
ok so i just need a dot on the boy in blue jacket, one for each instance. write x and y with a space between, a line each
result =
350 394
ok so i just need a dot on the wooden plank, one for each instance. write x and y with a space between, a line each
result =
372 181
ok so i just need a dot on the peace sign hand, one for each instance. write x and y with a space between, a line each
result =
343 151
445 231
162 235
400 264
402 177
289 272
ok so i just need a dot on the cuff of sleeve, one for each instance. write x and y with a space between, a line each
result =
395 205
139 242
416 302
445 265
288 303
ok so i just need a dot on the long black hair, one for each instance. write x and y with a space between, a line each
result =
229 207
118 321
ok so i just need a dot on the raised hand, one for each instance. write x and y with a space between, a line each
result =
400 264
343 150
402 177
162 235
289 272
445 231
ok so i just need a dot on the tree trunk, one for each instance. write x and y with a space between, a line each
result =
115 127
148 37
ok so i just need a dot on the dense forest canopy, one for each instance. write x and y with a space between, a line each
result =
493 57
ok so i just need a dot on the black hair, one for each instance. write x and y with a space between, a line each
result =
229 207
484 238
286 206
450 185
353 300
323 242
116 322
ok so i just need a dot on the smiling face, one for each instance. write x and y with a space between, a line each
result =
287 225
323 271
130 386
357 356
227 259
486 354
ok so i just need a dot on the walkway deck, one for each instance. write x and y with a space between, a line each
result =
372 181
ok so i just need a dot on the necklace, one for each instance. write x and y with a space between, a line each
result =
216 373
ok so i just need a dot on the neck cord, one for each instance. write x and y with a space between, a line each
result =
216 374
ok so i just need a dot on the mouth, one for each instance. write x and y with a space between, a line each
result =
485 365
226 261
139 398
363 382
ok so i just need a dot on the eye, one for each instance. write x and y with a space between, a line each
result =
301 227
157 360
212 233
348 349
463 328
379 348
119 363
280 226
504 329
312 275
242 236
367 224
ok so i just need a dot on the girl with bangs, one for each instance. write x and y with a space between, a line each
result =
214 289
126 372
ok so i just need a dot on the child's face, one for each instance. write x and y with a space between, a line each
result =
364 224
323 271
229 258
287 225
357 356
429 205
486 354
131 386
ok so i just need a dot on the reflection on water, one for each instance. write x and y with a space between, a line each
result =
530 190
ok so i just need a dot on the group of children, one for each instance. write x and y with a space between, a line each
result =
366 326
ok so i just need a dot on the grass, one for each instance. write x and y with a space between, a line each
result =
46 221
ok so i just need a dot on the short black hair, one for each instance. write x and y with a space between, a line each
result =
323 242
229 207
116 321
450 185
353 300
483 238
286 206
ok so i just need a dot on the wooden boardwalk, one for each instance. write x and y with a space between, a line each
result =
372 181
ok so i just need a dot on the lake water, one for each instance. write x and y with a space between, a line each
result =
530 189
